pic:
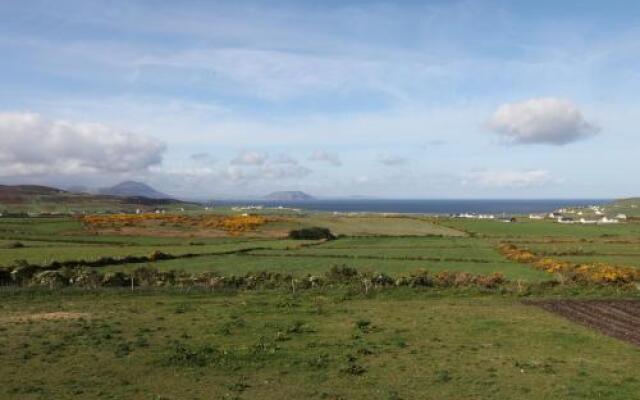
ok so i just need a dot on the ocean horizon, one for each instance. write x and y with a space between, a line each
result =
416 206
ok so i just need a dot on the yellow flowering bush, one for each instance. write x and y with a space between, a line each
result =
601 273
232 223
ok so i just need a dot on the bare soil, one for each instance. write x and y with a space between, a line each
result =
617 318
51 316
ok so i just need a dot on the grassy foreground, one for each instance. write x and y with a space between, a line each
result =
467 341
324 344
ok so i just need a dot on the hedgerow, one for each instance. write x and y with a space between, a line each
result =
596 273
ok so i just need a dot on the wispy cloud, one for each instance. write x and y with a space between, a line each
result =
326 157
509 178
250 158
203 158
391 160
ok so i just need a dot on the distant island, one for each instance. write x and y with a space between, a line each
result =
292 195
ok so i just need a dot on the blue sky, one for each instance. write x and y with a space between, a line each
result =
441 99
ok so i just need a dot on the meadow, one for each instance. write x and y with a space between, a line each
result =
318 344
443 334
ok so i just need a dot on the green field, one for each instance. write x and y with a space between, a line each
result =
438 248
375 244
329 342
319 345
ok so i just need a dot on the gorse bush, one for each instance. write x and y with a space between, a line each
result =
315 233
231 224
598 273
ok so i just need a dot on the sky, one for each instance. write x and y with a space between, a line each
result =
410 99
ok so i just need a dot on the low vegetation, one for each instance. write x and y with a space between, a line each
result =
599 273
314 233
228 306
232 224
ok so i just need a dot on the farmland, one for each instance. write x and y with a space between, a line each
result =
225 306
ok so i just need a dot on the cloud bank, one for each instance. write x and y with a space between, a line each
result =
35 145
250 158
391 160
508 178
326 157
541 121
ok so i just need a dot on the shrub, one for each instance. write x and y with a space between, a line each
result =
341 274
49 278
315 233
115 279
145 276
420 278
158 255
382 279
491 281
22 271
5 276
84 277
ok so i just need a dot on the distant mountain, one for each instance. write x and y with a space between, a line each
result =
78 189
19 191
133 189
292 195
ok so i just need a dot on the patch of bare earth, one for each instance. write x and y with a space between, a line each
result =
617 318
52 316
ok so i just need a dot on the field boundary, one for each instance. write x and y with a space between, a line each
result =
366 257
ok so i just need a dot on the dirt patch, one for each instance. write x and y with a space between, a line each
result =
52 316
617 318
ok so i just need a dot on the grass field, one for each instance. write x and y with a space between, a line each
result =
320 345
370 243
334 342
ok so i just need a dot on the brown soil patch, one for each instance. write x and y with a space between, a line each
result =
617 318
52 316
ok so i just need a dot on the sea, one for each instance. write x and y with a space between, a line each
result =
439 207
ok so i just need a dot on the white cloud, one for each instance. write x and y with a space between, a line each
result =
509 178
202 158
35 145
391 160
284 158
250 158
260 166
268 171
542 120
271 171
326 157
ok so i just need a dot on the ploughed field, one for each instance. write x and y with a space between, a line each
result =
225 306
616 318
